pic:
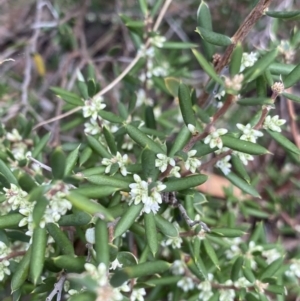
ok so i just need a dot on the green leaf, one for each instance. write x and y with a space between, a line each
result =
70 263
139 270
58 163
97 147
111 117
110 139
184 183
60 239
227 232
109 181
292 78
151 232
85 155
236 268
239 167
172 85
276 289
21 273
260 66
149 170
236 59
243 185
79 218
185 104
283 14
292 97
142 139
211 252
40 145
67 96
213 37
96 191
280 68
38 248
255 101
207 67
284 142
204 21
243 146
71 160
128 219
10 220
178 45
101 243
88 206
165 226
180 141
8 175
271 269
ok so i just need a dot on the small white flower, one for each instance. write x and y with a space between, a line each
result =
115 264
138 294
15 196
248 60
146 52
186 284
92 107
175 242
175 172
227 295
163 161
242 283
158 41
224 165
122 161
192 129
139 191
92 127
98 273
14 136
141 98
178 267
244 157
153 201
249 134
273 123
90 235
294 269
234 248
220 94
271 255
192 163
206 288
214 138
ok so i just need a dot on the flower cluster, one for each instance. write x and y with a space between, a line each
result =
90 109
273 123
191 163
100 275
249 134
139 192
214 138
248 60
122 161
163 161
4 251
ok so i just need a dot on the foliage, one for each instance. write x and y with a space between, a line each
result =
111 204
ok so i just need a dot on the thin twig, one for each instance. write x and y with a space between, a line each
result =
13 255
122 75
58 288
40 163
